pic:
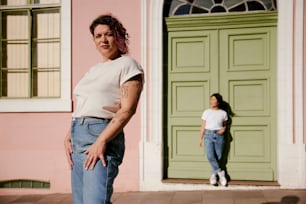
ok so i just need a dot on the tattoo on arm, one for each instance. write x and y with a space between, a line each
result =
135 82
125 91
123 116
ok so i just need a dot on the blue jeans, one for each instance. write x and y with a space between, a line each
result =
93 186
214 143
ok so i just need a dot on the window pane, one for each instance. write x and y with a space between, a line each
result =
46 83
182 7
46 24
204 3
15 76
15 25
47 55
13 2
17 55
15 83
232 3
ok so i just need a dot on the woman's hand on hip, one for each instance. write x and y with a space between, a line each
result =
221 131
68 149
114 108
94 153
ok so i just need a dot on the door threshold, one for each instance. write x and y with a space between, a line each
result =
233 182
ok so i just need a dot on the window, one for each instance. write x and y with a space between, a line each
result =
35 53
187 7
25 183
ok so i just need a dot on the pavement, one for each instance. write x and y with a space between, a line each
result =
275 196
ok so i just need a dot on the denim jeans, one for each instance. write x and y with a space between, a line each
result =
93 186
214 144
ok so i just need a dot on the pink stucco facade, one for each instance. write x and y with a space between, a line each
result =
31 144
304 74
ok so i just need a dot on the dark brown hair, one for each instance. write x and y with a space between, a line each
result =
120 33
223 104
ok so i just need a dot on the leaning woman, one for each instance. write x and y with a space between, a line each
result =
213 127
106 99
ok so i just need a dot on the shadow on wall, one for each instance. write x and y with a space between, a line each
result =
228 138
286 200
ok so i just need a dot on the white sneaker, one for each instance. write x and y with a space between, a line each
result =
213 179
222 178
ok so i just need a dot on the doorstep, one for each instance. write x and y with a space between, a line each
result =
234 182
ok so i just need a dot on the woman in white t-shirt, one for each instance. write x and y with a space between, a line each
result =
106 99
214 122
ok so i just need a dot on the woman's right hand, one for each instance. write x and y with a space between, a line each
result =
68 149
201 142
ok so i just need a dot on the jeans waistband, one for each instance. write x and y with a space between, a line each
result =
211 131
84 119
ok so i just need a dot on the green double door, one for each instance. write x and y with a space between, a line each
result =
238 61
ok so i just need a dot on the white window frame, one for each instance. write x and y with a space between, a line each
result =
64 103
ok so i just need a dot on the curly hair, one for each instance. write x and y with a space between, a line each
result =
120 33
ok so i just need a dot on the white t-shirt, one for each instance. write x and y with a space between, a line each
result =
214 119
100 86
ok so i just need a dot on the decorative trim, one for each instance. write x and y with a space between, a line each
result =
156 64
151 146
291 156
284 72
304 74
198 22
63 104
299 88
298 71
187 7
145 88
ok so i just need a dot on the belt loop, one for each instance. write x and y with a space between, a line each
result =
82 120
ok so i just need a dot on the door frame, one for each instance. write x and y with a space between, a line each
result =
184 26
289 108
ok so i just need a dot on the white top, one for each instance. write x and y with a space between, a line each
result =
214 119
100 87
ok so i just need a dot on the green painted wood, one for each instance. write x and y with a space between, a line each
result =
236 59
247 75
191 72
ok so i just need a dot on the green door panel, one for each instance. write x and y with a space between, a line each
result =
239 62
247 75
192 68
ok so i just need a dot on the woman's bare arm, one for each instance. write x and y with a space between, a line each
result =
223 129
202 132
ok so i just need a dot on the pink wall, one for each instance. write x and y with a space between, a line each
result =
31 144
304 68
31 147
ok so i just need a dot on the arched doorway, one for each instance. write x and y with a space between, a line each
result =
234 53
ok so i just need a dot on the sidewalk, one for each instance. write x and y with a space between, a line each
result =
177 197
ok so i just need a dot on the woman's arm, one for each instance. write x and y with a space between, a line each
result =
223 129
130 94
202 132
